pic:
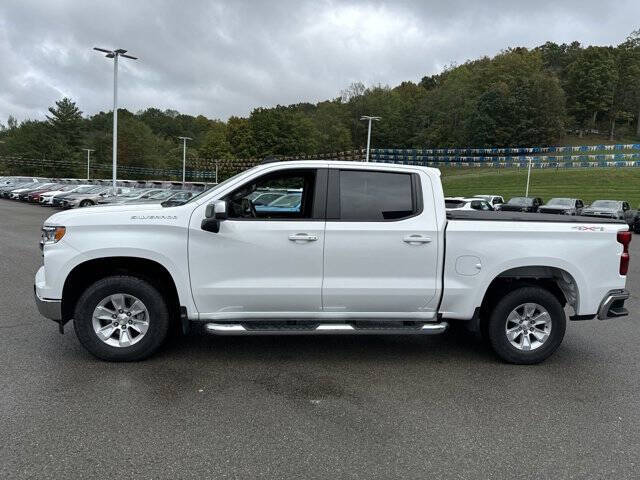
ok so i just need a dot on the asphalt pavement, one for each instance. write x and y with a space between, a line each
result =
308 407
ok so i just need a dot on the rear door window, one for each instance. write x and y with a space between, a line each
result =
376 196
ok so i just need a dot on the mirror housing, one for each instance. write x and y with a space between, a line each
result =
217 210
210 225
214 214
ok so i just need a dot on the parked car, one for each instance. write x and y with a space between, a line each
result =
23 193
287 203
364 254
166 197
459 203
7 190
133 194
267 197
46 199
522 204
611 209
59 199
563 206
89 198
34 195
495 201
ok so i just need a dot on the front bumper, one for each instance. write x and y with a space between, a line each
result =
612 304
51 309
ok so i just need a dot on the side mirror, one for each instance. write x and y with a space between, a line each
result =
217 210
214 214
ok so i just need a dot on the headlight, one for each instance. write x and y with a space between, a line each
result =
51 235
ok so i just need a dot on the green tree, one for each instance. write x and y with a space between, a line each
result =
590 85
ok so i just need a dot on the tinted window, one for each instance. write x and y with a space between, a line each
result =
480 205
374 196
453 203
295 189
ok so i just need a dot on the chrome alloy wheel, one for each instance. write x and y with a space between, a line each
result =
120 320
528 326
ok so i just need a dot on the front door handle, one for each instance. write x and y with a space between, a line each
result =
302 237
416 239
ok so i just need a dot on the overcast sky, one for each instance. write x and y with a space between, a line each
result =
226 58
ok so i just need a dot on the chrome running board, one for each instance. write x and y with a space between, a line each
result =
284 328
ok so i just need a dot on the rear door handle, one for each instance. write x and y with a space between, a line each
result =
302 237
416 239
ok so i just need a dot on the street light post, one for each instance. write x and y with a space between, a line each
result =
88 150
184 156
369 118
115 54
528 177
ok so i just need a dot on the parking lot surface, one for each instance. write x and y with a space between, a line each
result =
308 407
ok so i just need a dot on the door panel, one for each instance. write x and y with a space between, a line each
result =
382 267
252 266
266 259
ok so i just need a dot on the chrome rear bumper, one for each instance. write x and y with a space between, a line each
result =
612 305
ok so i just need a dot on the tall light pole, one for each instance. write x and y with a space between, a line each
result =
528 176
369 118
184 155
88 150
115 54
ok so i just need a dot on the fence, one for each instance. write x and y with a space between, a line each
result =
495 157
621 155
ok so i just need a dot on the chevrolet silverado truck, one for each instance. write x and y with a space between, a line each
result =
369 249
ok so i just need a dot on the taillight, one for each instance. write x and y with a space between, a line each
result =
625 239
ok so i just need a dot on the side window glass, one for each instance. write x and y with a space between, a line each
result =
375 196
286 194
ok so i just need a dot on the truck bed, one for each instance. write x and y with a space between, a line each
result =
478 215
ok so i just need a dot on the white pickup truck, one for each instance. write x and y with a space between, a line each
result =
341 248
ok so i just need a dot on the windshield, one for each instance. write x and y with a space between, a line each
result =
84 189
605 204
561 202
133 193
520 201
162 195
453 203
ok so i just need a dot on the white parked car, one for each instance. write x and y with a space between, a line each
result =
495 201
460 203
362 253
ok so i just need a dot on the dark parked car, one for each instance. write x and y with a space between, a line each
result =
611 209
563 206
522 204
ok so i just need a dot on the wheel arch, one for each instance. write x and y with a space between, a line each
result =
90 271
561 283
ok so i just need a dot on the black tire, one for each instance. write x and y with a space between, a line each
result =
141 289
85 203
497 323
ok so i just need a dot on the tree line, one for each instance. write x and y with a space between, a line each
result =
520 97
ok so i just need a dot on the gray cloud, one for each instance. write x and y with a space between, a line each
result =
222 59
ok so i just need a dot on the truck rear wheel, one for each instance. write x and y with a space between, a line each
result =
121 318
526 326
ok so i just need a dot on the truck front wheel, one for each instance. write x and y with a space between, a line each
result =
121 318
526 326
